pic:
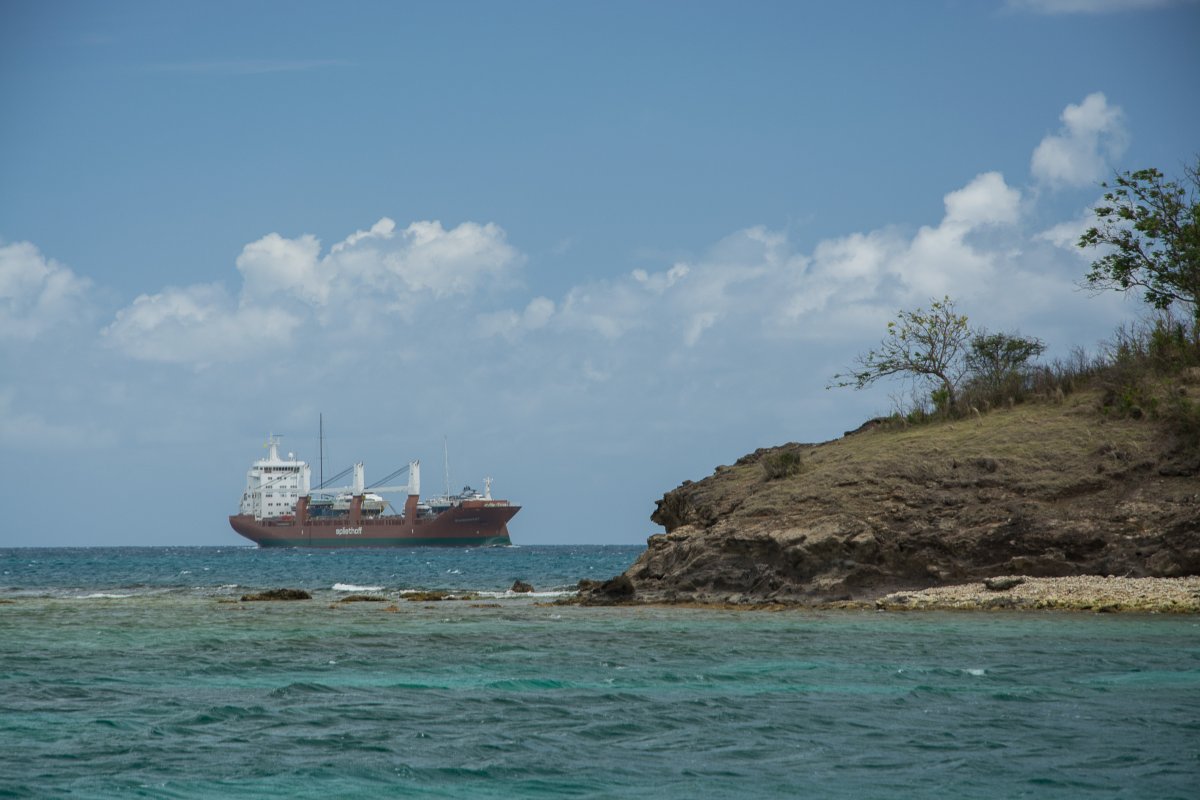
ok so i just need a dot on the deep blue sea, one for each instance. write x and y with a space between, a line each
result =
137 673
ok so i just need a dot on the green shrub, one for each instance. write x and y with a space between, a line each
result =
781 464
1182 418
1138 371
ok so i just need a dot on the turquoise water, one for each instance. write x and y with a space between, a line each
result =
122 676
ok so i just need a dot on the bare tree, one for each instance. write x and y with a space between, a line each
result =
925 345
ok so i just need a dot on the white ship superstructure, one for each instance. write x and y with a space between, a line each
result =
273 484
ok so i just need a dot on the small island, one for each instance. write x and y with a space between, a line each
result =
1044 490
1008 484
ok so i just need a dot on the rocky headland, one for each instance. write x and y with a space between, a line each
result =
890 516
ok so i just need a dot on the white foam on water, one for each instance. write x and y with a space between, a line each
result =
350 587
102 595
510 594
975 672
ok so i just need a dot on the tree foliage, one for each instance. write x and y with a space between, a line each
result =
1151 227
959 365
998 361
926 345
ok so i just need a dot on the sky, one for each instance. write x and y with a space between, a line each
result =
591 250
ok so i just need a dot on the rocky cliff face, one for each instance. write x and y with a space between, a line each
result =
1040 490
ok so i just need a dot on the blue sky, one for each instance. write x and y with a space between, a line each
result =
600 247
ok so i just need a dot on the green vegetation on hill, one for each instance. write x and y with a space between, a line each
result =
1148 238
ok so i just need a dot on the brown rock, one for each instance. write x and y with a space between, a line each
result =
1002 584
1013 492
424 597
619 589
278 594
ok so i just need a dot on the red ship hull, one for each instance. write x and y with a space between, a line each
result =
472 524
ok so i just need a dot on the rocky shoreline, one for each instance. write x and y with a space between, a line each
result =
1077 593
1027 500
1090 593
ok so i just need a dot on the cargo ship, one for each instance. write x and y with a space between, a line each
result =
279 509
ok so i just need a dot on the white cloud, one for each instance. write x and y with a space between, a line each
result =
454 261
1092 133
886 267
385 229
986 200
661 281
538 313
287 280
749 288
754 292
697 324
1065 235
37 294
199 324
509 324
940 261
1088 6
849 267
609 309
739 273
687 298
753 283
274 265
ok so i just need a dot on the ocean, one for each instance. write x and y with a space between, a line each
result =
137 673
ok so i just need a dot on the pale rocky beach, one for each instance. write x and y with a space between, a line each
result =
1075 593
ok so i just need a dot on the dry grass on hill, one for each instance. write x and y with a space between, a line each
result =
1040 449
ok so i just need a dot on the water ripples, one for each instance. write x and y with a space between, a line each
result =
180 695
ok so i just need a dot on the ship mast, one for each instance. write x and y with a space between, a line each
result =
321 440
446 464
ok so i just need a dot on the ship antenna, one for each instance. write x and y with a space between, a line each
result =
446 462
321 440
